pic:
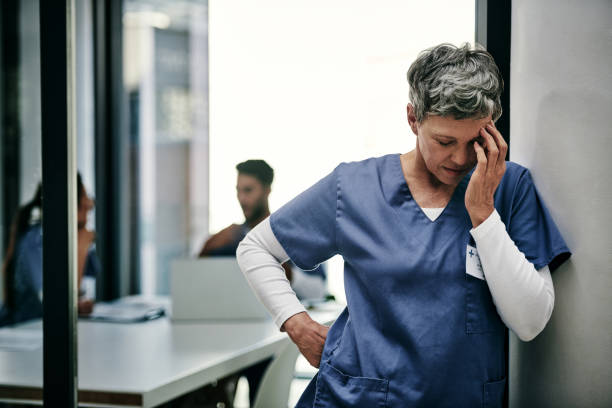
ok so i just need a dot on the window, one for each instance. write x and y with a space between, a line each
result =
308 84
303 85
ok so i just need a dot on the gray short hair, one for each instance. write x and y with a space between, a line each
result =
455 81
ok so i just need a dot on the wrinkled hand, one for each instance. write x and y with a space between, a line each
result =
308 335
489 171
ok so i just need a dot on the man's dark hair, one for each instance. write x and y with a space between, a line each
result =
258 169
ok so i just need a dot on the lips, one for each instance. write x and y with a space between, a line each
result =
454 171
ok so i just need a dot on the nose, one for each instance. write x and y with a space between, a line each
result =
461 156
242 199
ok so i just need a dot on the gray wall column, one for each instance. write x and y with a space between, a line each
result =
561 101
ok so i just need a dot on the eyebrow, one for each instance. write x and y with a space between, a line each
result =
452 137
446 136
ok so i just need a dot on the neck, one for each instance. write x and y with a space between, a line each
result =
253 222
417 174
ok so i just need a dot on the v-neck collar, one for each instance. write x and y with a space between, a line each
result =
397 191
410 215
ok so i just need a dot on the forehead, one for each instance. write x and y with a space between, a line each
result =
247 180
454 128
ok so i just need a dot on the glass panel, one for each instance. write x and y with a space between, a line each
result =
20 178
21 332
165 77
85 99
89 266
30 168
23 279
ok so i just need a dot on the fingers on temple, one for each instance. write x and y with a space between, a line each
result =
482 158
491 147
501 143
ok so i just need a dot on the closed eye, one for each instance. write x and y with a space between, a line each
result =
479 139
444 144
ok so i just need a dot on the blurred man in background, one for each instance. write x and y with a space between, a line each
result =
253 188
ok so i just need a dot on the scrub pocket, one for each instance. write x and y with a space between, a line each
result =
336 389
480 313
493 394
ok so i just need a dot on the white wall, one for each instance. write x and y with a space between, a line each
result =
561 102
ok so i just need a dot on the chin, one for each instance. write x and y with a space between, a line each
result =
448 179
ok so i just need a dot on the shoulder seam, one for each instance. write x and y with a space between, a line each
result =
338 195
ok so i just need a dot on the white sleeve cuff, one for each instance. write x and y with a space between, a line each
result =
486 226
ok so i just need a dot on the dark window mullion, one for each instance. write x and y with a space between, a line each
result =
59 204
111 242
493 31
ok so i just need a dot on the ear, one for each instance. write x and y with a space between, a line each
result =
412 120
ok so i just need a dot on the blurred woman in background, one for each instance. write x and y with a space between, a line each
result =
22 268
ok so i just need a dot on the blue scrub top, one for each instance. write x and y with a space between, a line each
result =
418 331
27 286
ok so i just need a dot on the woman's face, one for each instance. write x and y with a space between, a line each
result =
446 145
85 206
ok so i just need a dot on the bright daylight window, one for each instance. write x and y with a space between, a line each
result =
307 84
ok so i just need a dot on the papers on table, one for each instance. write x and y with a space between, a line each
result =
125 312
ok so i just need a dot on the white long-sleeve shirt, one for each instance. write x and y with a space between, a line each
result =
524 297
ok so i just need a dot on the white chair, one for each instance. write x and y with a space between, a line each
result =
276 383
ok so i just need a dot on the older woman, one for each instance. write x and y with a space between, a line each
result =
444 247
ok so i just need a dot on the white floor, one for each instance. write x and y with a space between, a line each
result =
303 373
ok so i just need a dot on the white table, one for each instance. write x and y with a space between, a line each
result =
147 364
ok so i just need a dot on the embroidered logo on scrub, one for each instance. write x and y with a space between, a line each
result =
472 263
